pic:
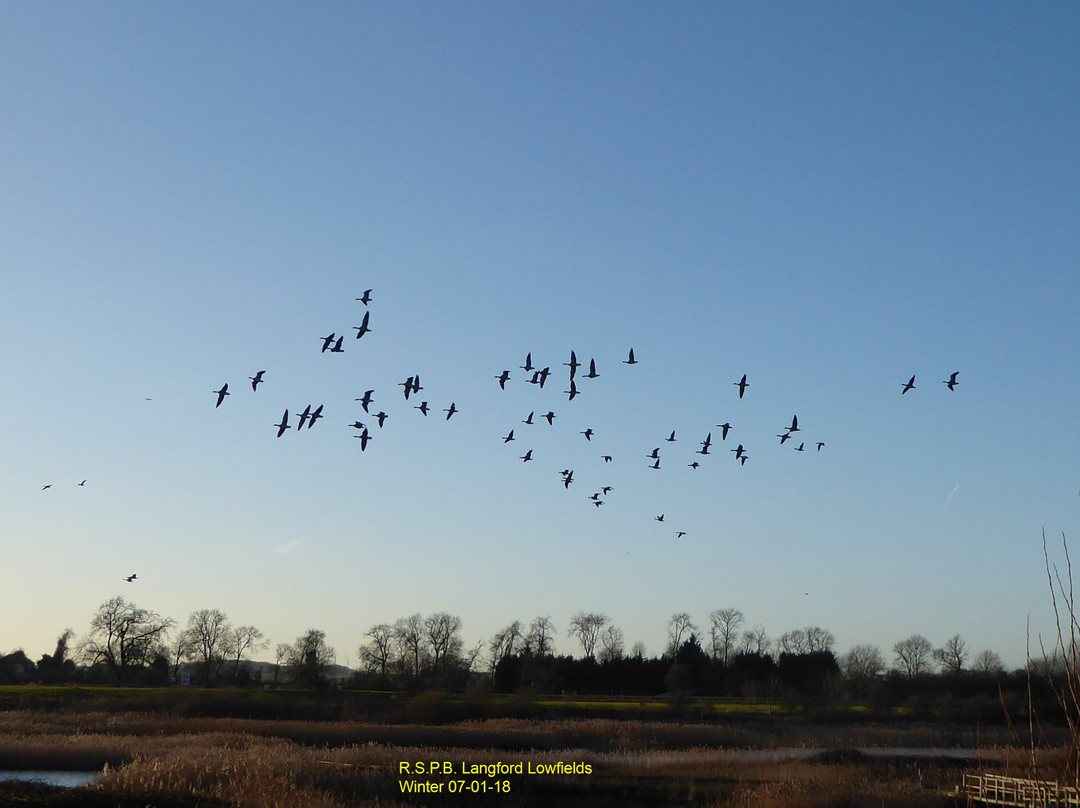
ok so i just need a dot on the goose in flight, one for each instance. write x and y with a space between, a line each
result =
606 489
742 459
327 342
357 425
738 452
588 433
573 364
450 410
529 420
573 391
799 448
382 416
82 483
503 378
654 454
44 487
257 379
337 346
224 391
951 382
303 417
679 534
705 444
656 466
528 366
726 427
671 438
550 417
695 465
283 425
525 458
742 385
598 502
543 376
909 386
819 445
366 298
364 437
630 360
568 478
315 416
794 424
592 374
607 458
509 437
363 327
784 437
659 518
366 400
423 408
131 577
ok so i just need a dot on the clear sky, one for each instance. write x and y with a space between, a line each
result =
826 197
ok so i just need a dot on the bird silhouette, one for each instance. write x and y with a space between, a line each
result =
423 408
509 437
573 364
738 451
607 458
357 425
656 466
705 444
742 385
528 363
407 384
952 382
82 483
363 327
529 420
592 374
366 400
909 386
568 478
366 298
382 416
364 437
503 378
784 437
588 433
131 577
742 460
695 465
525 458
315 416
679 534
283 425
550 417
257 379
654 454
799 448
794 424
44 487
607 489
337 346
303 417
726 427
630 360
224 391
671 438
573 391
543 376
819 445
450 410
660 518
328 341
598 502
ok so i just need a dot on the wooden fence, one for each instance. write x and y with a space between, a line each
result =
993 789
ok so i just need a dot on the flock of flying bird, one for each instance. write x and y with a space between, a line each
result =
537 376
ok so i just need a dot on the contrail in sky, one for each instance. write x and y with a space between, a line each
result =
285 549
951 496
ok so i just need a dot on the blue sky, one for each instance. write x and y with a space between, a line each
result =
827 198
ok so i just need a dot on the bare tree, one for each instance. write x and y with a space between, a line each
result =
310 658
504 643
409 637
611 643
818 639
378 654
637 650
541 637
680 627
724 633
793 642
243 641
756 641
988 663
442 633
208 637
952 656
913 655
586 626
862 665
124 637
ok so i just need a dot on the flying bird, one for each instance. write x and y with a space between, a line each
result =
607 489
588 433
382 416
784 437
607 458
550 417
257 379
654 454
567 479
366 400
503 378
46 486
303 417
509 437
742 385
679 534
659 518
909 386
799 448
328 341
543 376
794 424
357 425
363 327
671 437
364 437
695 465
738 452
131 577
819 445
525 458
337 346
224 391
656 465
408 385
83 482
573 364
450 410
528 363
573 391
366 298
529 420
598 502
724 426
952 382
592 374
630 360
283 425
315 416
423 408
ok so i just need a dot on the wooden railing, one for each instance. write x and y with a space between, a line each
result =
993 789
